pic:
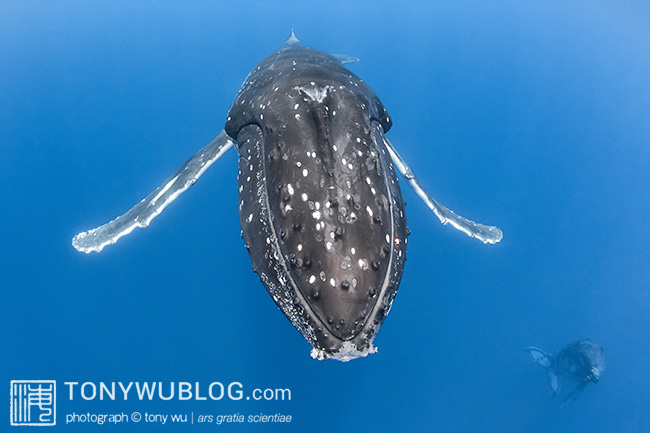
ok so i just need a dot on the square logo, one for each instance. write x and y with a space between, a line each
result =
33 402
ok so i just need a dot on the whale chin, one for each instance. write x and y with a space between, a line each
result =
348 352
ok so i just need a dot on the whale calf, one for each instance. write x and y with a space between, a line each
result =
580 360
320 207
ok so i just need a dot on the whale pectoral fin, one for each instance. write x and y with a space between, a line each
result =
142 213
574 395
487 234
540 357
553 381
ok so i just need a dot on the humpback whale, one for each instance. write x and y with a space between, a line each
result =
580 360
320 207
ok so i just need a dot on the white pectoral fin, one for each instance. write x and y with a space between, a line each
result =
540 357
142 213
486 234
553 381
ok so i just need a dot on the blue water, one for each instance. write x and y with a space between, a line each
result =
532 116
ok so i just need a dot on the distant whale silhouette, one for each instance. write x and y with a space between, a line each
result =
580 360
320 207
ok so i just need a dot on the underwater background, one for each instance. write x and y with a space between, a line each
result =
532 116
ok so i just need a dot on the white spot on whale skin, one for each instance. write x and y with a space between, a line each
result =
305 172
290 189
312 279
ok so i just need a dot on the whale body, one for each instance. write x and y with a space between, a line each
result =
320 207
